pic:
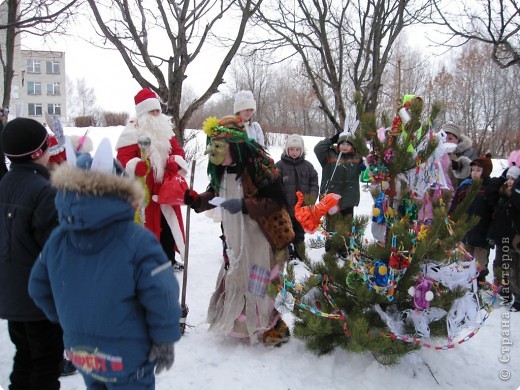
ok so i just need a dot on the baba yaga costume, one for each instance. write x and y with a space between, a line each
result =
106 279
246 184
147 148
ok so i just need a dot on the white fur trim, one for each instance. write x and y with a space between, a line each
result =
464 168
175 227
128 136
130 167
183 165
147 105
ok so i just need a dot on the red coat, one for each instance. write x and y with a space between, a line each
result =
128 152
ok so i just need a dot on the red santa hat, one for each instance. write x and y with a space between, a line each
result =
146 100
57 151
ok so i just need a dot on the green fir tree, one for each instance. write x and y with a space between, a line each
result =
343 301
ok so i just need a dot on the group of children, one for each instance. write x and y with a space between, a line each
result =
497 206
61 234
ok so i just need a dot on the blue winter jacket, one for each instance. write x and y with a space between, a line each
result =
104 278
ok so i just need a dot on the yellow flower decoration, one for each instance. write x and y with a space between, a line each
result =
209 124
421 235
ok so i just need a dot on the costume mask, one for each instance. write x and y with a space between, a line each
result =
218 150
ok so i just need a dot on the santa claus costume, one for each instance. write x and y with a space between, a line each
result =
164 157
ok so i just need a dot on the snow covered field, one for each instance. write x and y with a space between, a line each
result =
208 361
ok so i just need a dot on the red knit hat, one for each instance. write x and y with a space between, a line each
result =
146 100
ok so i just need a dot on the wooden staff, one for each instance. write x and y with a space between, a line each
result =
184 307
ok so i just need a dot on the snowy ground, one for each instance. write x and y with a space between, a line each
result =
208 361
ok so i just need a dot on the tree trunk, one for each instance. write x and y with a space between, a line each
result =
10 35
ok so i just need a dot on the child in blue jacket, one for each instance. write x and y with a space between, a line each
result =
106 280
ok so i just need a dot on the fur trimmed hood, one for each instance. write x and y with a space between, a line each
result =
93 183
464 146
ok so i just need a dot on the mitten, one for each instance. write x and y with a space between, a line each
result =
164 354
334 138
455 165
141 169
191 198
232 205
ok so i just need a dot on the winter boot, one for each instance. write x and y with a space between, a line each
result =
177 266
277 335
515 306
481 278
292 252
67 368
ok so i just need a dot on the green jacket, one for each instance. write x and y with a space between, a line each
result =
343 179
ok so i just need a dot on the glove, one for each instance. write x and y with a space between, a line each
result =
141 169
164 354
455 165
232 205
334 138
191 198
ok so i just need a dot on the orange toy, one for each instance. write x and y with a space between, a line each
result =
310 216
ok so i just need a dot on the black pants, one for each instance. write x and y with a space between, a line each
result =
39 352
299 233
167 241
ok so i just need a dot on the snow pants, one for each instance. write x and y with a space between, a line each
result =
39 353
144 379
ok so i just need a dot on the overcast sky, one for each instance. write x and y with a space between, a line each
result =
105 71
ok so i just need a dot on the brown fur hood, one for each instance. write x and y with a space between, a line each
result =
95 183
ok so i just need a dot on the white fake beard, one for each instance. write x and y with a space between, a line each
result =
159 129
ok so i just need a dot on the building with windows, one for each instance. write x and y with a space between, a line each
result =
38 84
42 83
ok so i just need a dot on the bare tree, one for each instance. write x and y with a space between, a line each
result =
344 45
482 98
408 72
83 99
37 17
253 72
495 22
160 40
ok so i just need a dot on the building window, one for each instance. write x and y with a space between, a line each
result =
35 109
33 66
53 89
53 67
34 88
54 109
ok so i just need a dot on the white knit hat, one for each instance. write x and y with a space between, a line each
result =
244 100
514 172
146 100
294 141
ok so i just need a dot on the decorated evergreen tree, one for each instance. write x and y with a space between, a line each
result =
413 286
